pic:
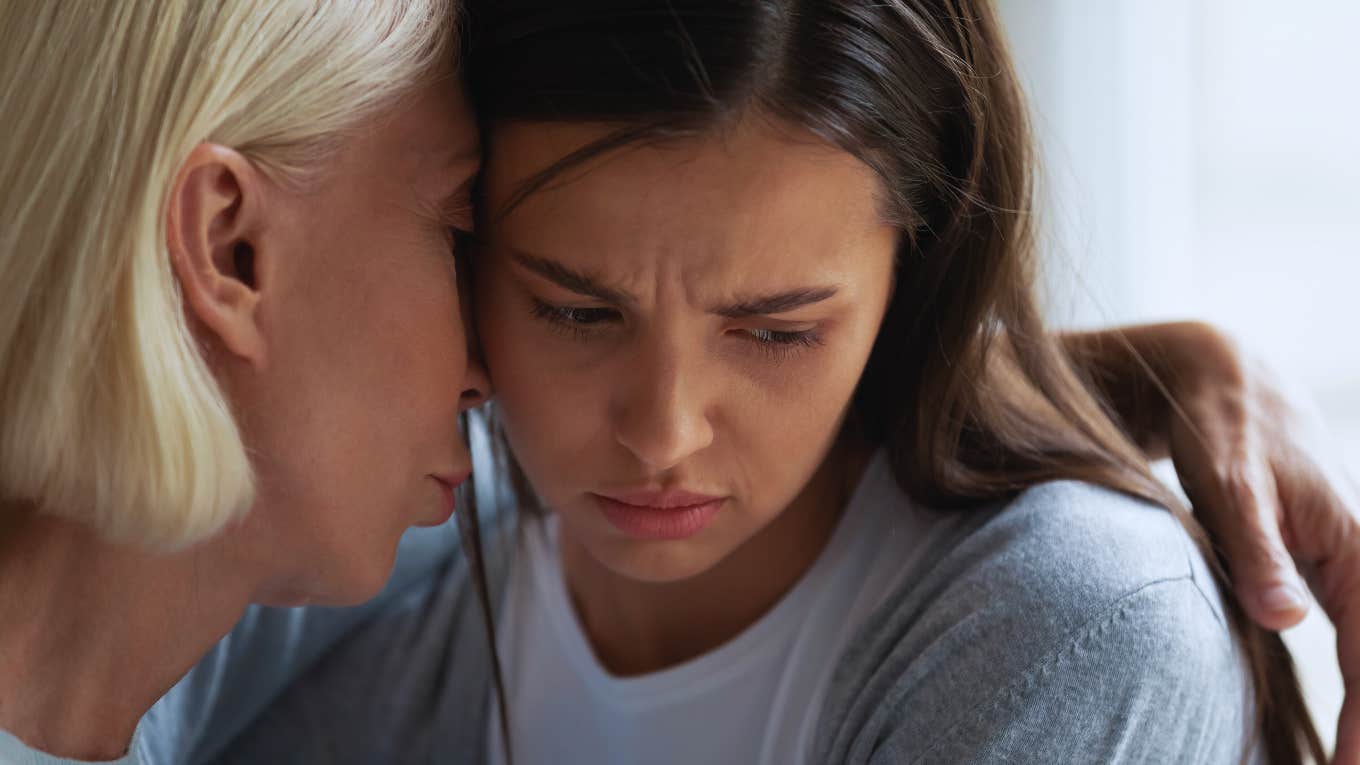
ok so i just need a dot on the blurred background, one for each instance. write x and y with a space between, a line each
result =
1200 161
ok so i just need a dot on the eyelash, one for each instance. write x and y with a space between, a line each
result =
580 323
569 320
781 345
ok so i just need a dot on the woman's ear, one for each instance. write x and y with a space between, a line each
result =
213 229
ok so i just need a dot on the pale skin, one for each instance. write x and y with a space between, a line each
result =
671 390
351 299
601 301
82 698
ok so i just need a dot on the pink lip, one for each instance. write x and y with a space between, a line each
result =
447 483
452 480
673 514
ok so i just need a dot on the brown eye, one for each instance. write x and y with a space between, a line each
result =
578 323
577 316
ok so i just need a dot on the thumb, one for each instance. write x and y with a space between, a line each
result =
1264 576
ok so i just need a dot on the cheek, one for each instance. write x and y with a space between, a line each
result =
554 418
424 335
788 424
785 424
811 389
547 412
369 377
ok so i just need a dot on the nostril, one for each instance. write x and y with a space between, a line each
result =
472 397
477 388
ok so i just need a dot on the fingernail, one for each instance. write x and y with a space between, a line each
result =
1283 597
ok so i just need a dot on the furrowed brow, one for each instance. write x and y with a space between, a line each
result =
569 278
775 304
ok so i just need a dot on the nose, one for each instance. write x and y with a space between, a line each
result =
476 383
662 416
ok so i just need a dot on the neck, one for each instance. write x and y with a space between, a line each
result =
636 627
94 634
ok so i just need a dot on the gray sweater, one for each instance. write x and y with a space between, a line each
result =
1071 625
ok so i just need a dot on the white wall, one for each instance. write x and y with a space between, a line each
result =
1201 160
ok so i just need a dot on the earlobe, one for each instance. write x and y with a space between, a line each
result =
212 231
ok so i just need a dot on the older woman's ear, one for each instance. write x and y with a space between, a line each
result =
214 231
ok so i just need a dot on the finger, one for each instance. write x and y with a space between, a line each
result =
1348 730
1339 587
1264 576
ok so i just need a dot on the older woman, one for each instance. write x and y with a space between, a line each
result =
232 360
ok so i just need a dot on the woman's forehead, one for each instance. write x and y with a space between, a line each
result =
734 213
751 186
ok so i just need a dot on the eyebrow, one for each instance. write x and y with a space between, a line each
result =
570 279
584 284
777 303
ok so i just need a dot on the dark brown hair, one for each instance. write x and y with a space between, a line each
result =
924 93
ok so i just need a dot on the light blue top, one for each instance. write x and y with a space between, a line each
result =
266 650
1072 624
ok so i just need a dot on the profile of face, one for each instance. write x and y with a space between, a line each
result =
332 319
676 330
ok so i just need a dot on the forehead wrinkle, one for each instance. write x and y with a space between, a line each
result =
716 216
569 277
708 266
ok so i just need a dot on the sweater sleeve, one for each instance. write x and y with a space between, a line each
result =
1073 625
1152 679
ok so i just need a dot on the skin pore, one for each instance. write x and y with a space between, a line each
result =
331 319
695 316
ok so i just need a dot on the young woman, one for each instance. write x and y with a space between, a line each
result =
223 237
756 291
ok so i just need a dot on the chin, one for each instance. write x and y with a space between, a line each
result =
658 562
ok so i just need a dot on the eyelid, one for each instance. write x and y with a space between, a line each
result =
775 323
546 306
783 344
789 345
561 314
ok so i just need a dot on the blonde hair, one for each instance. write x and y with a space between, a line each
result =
108 412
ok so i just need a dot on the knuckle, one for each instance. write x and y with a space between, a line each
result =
1241 481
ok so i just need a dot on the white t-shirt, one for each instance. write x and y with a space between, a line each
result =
755 699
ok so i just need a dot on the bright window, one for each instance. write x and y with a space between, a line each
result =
1201 160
